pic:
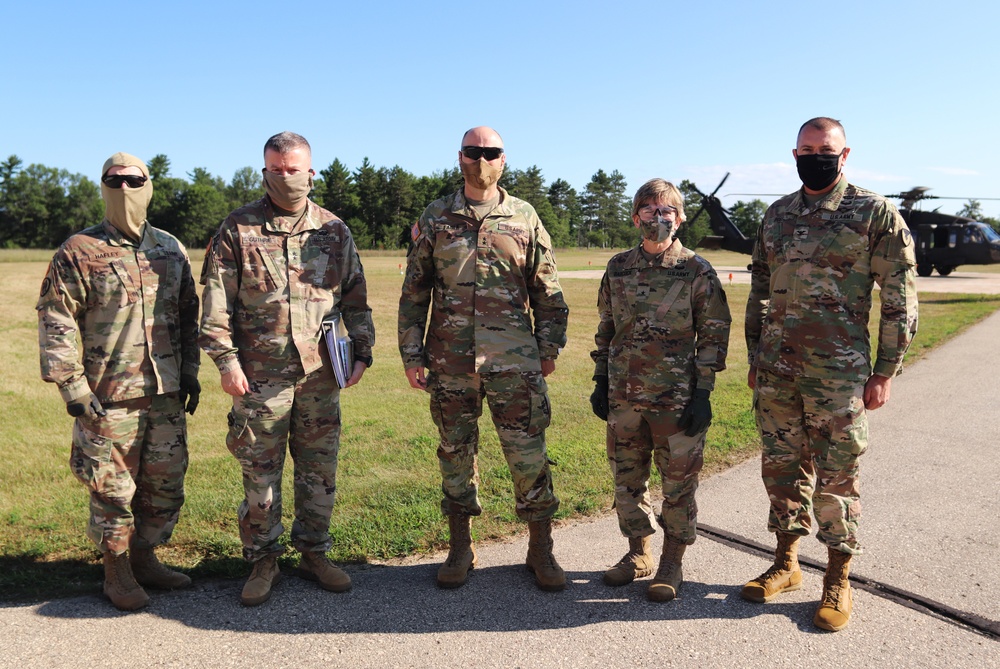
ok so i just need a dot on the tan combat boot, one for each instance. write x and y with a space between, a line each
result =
637 563
119 583
263 577
782 576
667 581
461 553
151 573
834 610
317 567
548 574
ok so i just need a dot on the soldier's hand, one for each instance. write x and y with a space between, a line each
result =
697 414
599 398
752 378
89 406
235 383
415 375
548 366
877 390
359 371
190 392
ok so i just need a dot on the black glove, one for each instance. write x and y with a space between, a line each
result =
697 415
190 392
89 405
599 398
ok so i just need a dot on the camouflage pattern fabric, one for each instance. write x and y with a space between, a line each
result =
483 278
133 462
637 436
280 278
520 407
134 308
270 281
813 432
814 269
663 331
305 413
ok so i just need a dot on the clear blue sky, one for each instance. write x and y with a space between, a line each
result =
680 90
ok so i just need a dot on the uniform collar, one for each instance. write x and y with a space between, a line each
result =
461 206
274 222
830 201
116 238
671 257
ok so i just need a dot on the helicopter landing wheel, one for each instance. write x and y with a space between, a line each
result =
945 270
924 270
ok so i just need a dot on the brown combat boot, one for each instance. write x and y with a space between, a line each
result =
540 561
637 563
119 583
317 567
834 610
461 554
151 573
782 576
263 577
667 581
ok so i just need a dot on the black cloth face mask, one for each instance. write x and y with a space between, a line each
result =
818 170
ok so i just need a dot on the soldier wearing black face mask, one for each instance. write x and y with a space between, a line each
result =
818 255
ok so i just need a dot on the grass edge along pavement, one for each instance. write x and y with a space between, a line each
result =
388 485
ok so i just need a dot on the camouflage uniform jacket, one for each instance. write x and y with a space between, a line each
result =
483 278
814 269
135 308
664 327
270 282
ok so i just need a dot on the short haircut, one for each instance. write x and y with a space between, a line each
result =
823 124
286 141
655 190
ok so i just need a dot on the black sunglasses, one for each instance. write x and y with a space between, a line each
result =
116 180
477 152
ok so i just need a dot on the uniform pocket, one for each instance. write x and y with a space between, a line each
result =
90 458
540 412
241 437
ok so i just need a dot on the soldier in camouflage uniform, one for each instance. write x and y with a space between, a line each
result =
276 269
818 255
482 264
662 336
126 289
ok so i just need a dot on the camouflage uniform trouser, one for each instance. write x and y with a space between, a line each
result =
303 412
813 431
133 462
519 404
636 436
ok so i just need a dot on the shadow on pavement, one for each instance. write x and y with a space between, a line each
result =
405 600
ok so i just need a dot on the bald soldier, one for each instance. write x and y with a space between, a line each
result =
481 264
275 271
125 289
818 255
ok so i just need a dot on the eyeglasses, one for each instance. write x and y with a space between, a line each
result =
650 212
116 180
477 152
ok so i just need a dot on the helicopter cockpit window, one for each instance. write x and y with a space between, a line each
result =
973 235
991 234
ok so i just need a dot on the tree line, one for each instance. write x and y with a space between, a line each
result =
41 206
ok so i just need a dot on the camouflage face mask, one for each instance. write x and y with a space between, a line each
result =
288 192
481 174
658 230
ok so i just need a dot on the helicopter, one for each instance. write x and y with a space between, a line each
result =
943 241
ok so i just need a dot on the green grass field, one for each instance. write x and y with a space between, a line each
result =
388 493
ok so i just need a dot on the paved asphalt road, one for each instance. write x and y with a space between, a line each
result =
929 527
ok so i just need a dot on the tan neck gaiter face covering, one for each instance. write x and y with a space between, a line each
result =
125 208
480 174
288 192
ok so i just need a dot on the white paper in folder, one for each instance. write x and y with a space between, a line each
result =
341 349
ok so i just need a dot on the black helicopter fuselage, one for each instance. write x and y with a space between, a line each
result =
945 241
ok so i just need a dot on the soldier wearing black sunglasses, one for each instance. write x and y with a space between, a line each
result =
481 264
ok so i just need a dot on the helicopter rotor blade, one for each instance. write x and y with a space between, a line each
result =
720 184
